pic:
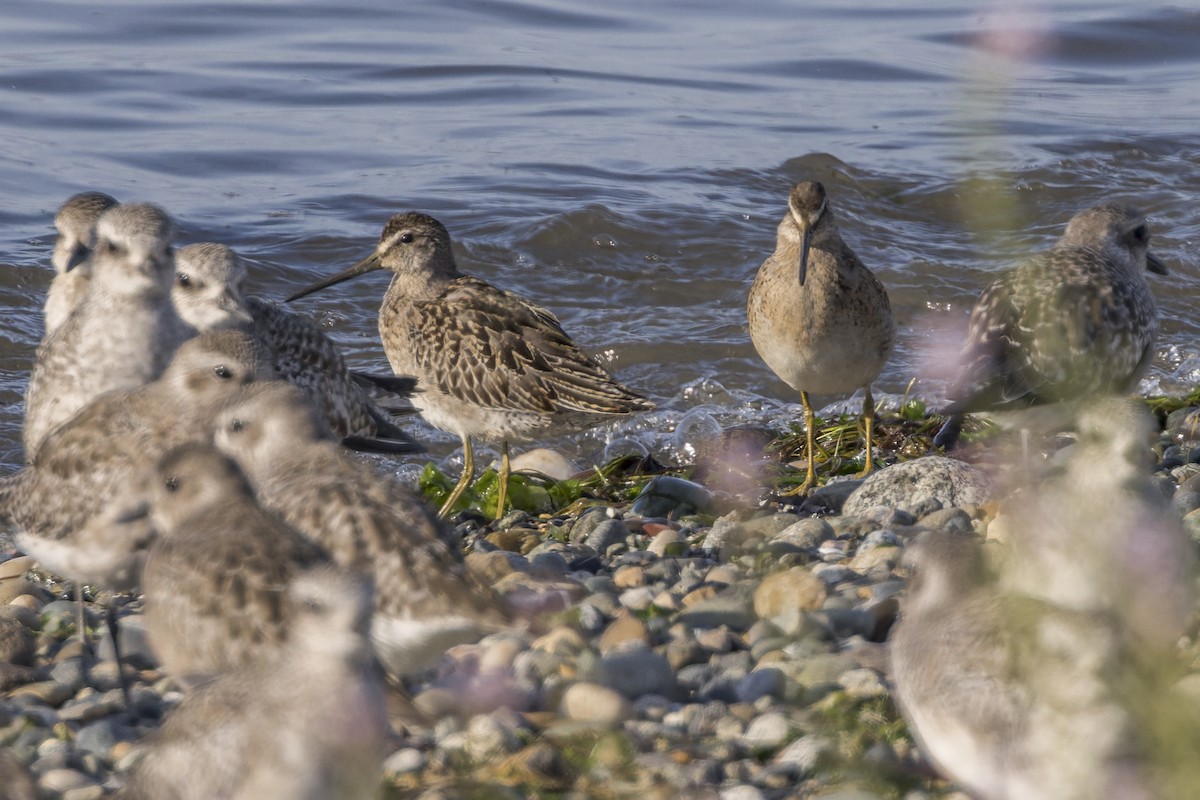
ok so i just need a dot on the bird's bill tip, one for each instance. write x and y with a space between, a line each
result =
805 245
79 254
1156 264
368 264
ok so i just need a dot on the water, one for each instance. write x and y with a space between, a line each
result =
623 164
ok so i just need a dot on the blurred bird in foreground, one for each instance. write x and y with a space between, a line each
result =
306 722
76 224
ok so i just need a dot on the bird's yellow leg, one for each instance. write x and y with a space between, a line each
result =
810 424
868 418
502 481
468 475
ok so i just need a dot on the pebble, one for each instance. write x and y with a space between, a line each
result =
767 733
638 672
594 703
693 657
910 484
796 589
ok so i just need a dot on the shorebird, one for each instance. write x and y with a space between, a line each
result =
1008 696
1076 322
306 721
76 223
490 364
208 294
1092 531
66 507
216 575
427 600
62 505
818 317
123 333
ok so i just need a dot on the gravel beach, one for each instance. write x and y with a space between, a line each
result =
681 641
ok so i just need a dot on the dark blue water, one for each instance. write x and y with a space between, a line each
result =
624 164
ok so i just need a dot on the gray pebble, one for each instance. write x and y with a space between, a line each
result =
767 733
607 533
762 682
638 672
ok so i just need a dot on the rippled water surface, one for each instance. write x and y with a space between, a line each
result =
623 164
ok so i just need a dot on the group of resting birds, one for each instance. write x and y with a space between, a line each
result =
191 441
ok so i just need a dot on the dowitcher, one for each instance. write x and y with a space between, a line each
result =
818 317
306 721
208 294
427 600
490 364
1009 696
1076 322
216 575
123 333
76 223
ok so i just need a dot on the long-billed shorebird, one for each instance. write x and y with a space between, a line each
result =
305 721
208 294
216 576
427 600
1076 322
818 317
490 364
76 223
123 333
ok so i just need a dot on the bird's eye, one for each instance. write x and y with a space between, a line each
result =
1140 233
223 372
237 426
107 247
171 484
406 238
183 279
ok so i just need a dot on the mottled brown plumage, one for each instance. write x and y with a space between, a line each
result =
818 317
63 504
305 722
491 365
1078 321
426 598
208 294
76 223
216 577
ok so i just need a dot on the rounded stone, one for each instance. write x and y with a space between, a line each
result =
17 643
624 633
593 703
62 780
795 589
638 672
767 733
805 534
404 760
910 484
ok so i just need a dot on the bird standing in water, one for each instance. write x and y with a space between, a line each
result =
490 364
818 317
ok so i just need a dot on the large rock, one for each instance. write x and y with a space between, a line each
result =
912 484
